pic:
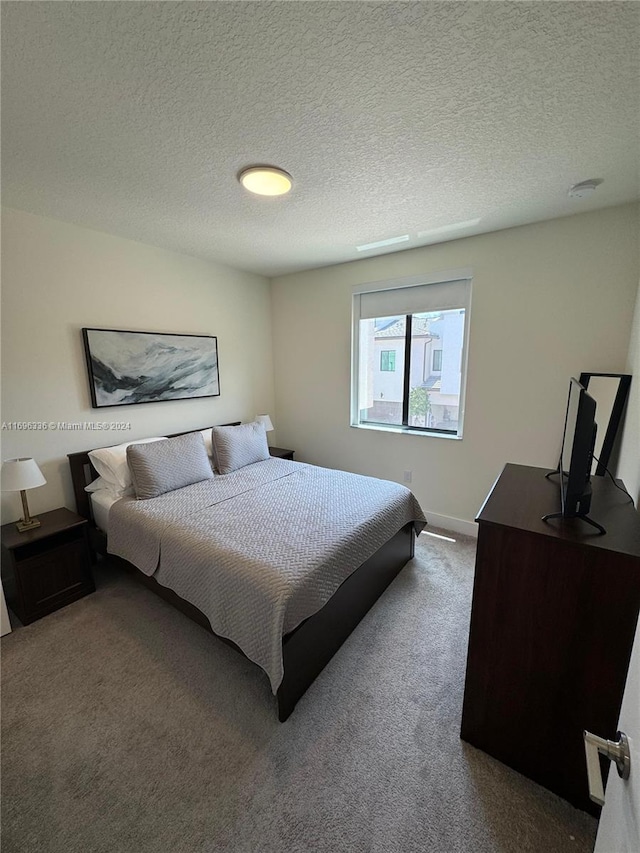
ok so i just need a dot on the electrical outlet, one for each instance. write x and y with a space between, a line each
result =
407 476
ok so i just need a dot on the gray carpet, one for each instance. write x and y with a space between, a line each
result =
128 728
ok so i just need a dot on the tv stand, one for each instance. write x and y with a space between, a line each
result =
582 515
599 527
548 654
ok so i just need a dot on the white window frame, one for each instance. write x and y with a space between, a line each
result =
446 277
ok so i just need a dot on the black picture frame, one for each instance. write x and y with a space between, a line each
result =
128 367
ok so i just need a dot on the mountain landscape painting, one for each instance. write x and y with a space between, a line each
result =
148 367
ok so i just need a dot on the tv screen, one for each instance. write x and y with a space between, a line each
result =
577 451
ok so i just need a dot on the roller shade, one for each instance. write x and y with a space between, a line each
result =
440 296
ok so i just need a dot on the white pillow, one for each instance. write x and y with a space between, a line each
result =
208 441
111 464
97 485
102 485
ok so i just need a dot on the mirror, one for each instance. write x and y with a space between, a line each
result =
610 391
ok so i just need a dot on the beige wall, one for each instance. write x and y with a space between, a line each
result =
57 278
549 300
629 459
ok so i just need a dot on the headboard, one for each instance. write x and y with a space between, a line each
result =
83 473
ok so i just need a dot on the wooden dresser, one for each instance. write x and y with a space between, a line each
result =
553 618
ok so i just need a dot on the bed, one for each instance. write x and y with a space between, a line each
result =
278 558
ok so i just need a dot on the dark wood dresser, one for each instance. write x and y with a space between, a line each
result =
48 567
554 612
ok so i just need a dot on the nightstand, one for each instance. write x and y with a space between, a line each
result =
47 567
281 452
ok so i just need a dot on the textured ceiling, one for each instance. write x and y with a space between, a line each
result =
394 118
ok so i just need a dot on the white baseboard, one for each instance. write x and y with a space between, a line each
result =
457 525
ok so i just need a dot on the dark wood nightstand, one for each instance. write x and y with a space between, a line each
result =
48 567
281 452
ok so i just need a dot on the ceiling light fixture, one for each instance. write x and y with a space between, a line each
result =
265 180
585 188
390 242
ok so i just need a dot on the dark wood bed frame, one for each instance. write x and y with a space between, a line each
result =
308 648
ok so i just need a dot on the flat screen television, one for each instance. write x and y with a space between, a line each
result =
576 456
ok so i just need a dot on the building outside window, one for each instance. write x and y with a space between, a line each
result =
409 365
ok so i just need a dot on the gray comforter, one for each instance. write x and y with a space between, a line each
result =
261 549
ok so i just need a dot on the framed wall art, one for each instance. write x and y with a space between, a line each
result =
149 367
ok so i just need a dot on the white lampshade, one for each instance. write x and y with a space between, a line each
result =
20 474
266 420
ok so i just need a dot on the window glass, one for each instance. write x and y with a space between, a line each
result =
409 366
380 386
436 339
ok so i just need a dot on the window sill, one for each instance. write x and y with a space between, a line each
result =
400 431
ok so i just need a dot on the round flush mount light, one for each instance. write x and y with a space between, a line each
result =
265 180
585 188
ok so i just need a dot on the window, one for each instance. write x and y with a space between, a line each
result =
409 355
388 360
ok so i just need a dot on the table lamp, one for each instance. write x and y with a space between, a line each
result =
17 476
266 420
